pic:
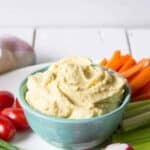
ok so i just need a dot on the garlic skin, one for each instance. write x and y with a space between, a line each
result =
15 53
7 60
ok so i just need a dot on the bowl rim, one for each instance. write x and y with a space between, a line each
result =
35 112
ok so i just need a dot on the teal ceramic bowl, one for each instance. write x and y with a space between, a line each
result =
72 133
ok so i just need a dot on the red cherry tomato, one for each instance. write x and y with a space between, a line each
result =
6 99
17 104
16 115
7 129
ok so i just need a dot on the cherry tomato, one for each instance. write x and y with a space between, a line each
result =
7 129
6 99
16 115
17 104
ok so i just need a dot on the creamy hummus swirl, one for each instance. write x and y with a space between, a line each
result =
75 88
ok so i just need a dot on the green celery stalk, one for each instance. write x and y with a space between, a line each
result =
132 137
142 146
137 115
136 121
1 148
136 111
134 105
7 146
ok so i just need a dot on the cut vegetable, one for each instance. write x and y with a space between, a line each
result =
121 62
132 137
138 104
7 146
103 62
130 62
136 68
143 93
136 121
136 111
144 89
137 74
114 60
138 97
142 146
140 80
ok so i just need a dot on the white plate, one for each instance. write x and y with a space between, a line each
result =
25 140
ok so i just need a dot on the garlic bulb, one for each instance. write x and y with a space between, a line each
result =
15 53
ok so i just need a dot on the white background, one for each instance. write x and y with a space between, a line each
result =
46 13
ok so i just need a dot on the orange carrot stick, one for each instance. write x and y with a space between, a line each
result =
128 64
114 59
140 80
142 96
136 68
121 62
145 89
142 92
103 61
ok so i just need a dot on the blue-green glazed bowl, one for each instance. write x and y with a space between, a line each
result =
72 133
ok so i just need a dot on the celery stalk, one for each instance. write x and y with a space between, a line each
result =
138 104
136 121
137 111
137 115
132 137
142 146
7 146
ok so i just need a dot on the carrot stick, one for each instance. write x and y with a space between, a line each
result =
142 93
121 61
128 64
103 62
114 59
136 68
141 79
142 96
144 89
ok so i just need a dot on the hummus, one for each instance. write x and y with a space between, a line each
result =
75 88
